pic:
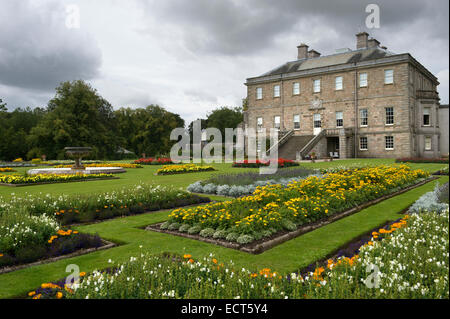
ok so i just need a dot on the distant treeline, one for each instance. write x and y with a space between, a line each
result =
79 116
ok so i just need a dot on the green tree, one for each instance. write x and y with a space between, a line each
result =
76 116
224 117
147 130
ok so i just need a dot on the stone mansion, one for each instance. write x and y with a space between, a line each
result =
367 102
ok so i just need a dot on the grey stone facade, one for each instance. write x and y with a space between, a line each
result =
443 129
412 91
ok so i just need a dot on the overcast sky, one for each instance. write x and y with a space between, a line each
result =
192 56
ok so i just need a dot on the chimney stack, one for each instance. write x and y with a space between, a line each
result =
313 54
373 43
302 51
361 40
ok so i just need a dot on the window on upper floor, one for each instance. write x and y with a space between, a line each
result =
339 83
362 80
339 119
389 116
296 88
259 93
296 122
363 117
316 86
426 116
276 91
388 76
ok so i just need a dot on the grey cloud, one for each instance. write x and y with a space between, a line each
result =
38 51
243 27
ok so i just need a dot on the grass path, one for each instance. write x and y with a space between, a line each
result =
289 256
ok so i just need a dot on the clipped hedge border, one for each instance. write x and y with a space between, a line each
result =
259 246
422 160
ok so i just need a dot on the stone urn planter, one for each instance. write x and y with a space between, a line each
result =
77 154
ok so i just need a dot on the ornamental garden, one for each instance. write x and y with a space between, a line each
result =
156 229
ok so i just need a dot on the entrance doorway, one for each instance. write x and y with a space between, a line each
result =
333 146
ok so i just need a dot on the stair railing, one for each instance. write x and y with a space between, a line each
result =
281 141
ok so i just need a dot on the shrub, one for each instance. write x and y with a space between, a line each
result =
164 225
184 228
174 226
196 188
430 202
220 234
245 239
288 225
232 236
194 230
209 188
207 232
223 190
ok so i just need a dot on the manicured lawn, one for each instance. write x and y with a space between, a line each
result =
146 174
290 256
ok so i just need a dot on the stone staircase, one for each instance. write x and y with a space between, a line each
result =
293 145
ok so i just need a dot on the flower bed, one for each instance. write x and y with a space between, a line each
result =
154 161
6 169
183 168
259 163
34 248
49 178
275 208
69 209
421 160
412 258
123 165
236 185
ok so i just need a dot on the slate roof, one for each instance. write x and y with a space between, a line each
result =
360 55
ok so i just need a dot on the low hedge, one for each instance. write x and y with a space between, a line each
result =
422 160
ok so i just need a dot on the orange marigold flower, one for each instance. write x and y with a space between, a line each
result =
191 261
82 274
187 256
59 295
214 260
31 293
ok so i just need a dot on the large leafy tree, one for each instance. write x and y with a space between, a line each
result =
147 130
76 116
224 117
